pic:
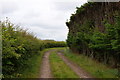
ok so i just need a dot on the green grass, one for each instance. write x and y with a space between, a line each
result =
33 70
96 69
59 68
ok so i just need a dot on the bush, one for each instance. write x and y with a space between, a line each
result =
19 46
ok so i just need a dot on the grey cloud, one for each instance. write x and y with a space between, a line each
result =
48 34
8 7
67 6
42 25
45 18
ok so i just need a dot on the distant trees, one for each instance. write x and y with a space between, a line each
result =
18 45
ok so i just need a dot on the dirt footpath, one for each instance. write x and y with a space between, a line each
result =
45 71
80 72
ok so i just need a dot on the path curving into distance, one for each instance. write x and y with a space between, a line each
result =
45 71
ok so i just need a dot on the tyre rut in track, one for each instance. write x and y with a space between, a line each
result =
45 71
80 72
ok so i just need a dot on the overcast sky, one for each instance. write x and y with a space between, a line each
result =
45 18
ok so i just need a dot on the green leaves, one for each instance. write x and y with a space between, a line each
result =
103 46
19 46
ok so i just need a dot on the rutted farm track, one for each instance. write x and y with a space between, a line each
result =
45 68
45 71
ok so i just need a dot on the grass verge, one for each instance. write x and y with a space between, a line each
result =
33 69
59 68
96 69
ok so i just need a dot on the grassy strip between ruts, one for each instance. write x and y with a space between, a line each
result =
59 68
96 69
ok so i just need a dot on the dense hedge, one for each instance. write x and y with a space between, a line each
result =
52 43
89 40
19 46
104 47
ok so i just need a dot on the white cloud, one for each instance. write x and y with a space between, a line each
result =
45 18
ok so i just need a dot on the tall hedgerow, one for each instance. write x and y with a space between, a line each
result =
18 45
